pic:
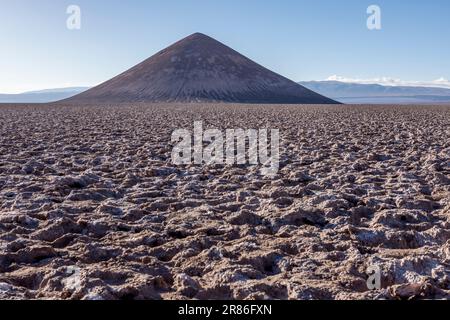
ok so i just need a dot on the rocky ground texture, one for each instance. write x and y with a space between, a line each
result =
91 206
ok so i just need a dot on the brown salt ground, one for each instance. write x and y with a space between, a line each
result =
92 208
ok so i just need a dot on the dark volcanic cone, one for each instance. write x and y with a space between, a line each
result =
200 69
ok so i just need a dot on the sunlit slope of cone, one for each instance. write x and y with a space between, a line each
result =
200 69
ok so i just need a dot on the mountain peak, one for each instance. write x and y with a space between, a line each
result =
197 37
199 68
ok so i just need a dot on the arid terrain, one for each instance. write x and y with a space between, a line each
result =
92 207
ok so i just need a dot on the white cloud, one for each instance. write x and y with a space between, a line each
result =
387 81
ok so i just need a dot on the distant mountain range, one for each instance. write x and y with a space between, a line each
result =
350 93
353 93
42 96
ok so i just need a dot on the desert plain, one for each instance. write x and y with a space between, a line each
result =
91 206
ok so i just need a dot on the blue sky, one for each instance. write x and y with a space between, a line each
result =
301 39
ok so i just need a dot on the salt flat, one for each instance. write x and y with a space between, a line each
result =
93 208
